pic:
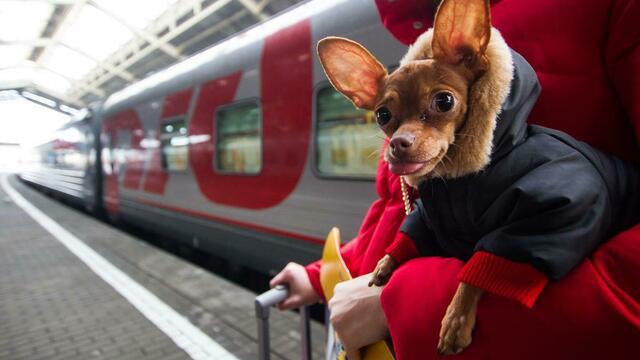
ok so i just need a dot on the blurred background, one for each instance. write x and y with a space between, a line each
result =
197 147
59 56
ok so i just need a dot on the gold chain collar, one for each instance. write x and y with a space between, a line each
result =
405 196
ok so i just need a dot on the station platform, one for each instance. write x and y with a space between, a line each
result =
74 287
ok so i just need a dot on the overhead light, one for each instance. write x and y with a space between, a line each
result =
69 110
9 95
39 99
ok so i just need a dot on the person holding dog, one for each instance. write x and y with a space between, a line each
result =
587 59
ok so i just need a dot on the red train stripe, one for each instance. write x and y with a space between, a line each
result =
262 228
177 103
286 90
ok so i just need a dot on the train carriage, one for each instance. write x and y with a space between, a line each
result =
67 163
244 149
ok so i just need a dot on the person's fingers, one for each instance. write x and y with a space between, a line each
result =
282 277
289 303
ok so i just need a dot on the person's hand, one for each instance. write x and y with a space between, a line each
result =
301 291
357 316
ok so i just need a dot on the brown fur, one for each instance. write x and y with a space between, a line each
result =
475 139
464 57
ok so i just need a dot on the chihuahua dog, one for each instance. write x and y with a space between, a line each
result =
455 115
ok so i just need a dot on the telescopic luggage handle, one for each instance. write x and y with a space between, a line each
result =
263 303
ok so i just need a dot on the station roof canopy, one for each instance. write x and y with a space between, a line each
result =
74 52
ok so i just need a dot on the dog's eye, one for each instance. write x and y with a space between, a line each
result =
383 116
443 101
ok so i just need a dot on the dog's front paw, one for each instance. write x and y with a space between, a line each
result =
458 322
383 271
455 333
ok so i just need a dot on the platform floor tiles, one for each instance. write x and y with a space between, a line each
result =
54 306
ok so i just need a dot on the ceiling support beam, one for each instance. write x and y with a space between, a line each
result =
154 38
104 65
255 8
64 24
137 56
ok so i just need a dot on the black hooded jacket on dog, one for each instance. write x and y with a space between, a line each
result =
545 198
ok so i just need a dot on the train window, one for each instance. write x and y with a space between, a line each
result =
239 143
174 141
348 140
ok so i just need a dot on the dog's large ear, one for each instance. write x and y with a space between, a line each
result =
352 70
461 33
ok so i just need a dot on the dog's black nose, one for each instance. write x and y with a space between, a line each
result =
400 144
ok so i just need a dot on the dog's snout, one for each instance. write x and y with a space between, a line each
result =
401 143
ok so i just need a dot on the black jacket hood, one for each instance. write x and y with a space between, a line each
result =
511 123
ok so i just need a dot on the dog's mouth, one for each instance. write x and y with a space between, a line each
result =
406 168
411 167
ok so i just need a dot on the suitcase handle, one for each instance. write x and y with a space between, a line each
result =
263 303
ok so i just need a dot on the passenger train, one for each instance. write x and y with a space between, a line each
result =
243 150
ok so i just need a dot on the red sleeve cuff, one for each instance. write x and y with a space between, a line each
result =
402 249
313 272
514 280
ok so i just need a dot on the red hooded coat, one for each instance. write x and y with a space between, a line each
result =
586 54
